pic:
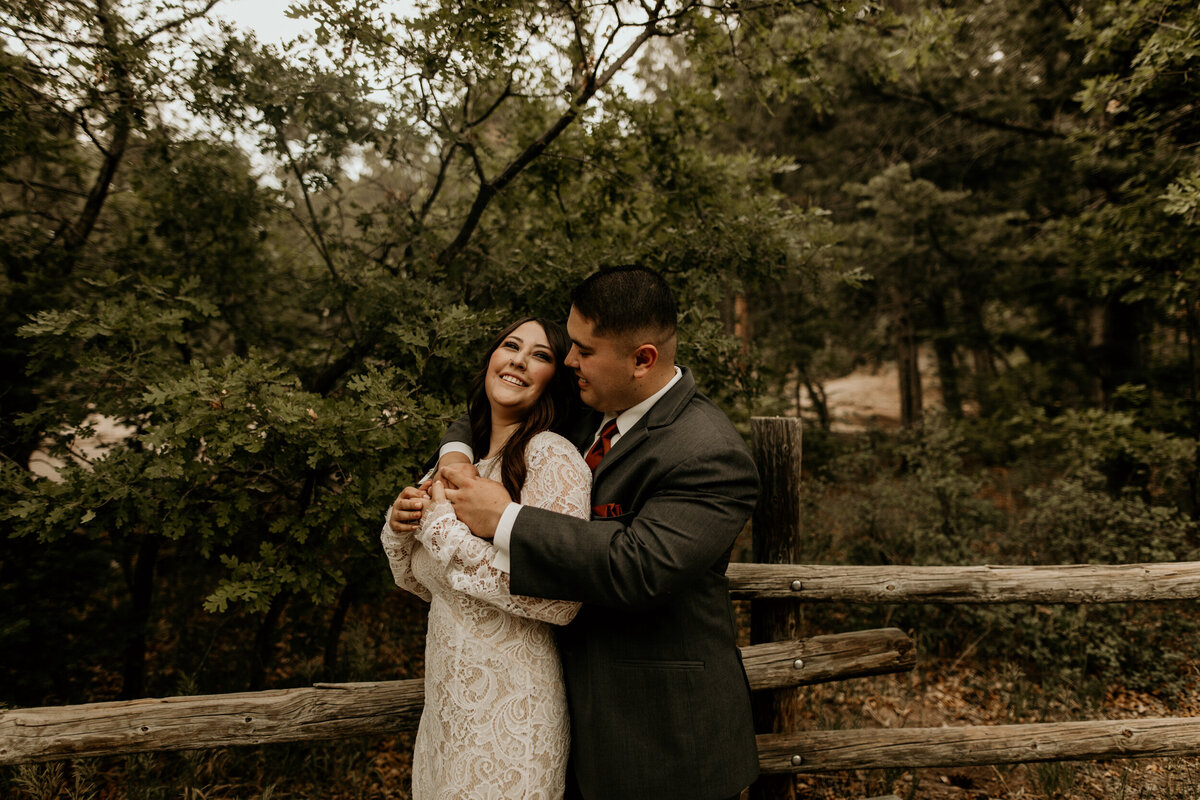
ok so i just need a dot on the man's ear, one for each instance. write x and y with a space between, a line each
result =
644 358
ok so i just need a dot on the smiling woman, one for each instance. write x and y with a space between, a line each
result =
495 717
518 372
523 388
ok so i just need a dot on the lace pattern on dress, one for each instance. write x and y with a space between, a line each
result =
495 719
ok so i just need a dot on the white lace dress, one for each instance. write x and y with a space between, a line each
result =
495 719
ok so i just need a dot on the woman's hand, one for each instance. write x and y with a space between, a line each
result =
410 505
408 508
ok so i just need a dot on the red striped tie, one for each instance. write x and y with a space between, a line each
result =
602 445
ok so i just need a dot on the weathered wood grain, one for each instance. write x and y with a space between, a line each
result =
904 748
332 711
327 711
820 659
775 537
1082 583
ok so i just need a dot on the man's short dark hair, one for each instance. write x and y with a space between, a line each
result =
625 299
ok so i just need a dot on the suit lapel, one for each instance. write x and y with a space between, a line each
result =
660 414
625 445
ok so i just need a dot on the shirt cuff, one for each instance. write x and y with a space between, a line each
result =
503 535
457 447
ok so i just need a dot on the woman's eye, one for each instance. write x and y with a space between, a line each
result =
544 357
510 345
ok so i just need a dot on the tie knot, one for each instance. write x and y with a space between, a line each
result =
603 444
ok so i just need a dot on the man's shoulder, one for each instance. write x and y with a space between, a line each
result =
701 426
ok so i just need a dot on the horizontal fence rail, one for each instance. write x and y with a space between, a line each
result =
337 710
1081 583
832 657
909 748
330 711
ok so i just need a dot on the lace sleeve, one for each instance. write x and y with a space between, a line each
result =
557 478
467 563
399 550
553 482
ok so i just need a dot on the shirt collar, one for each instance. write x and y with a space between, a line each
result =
629 417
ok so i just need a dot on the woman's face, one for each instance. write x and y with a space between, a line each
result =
519 370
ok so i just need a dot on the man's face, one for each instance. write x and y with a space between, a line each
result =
603 365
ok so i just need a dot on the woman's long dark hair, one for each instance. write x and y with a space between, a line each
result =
550 412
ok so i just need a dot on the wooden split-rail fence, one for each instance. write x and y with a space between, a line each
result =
777 660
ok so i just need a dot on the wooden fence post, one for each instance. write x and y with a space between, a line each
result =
776 540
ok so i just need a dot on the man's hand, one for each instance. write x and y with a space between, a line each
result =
477 502
408 508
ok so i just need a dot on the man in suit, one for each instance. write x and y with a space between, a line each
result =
659 702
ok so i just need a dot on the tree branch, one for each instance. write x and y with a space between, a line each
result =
319 240
73 235
592 84
445 160
142 40
504 95
928 100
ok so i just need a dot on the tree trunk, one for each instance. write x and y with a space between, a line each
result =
264 642
909 367
816 396
1193 331
140 579
983 361
944 349
1122 358
337 623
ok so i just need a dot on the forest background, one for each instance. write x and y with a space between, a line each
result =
274 267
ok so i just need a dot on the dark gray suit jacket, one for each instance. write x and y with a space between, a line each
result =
659 702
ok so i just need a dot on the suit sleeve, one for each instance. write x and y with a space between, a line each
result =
459 431
685 527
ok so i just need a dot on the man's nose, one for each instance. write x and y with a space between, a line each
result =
572 359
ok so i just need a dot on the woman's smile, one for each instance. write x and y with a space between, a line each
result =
519 370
